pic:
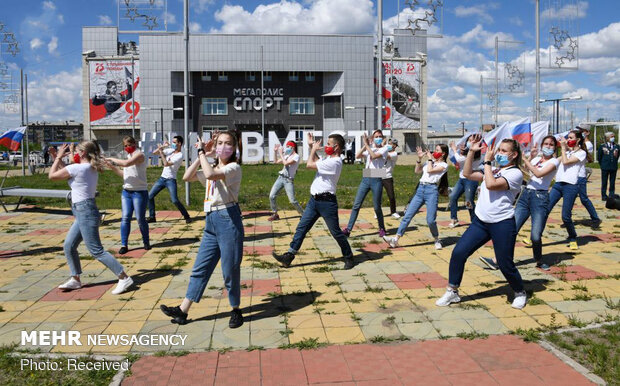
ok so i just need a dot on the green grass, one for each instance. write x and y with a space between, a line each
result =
305 344
255 187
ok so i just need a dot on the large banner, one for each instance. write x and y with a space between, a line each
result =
111 92
401 95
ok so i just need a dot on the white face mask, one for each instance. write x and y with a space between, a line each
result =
612 139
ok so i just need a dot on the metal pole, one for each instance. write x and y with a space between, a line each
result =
496 78
21 91
26 115
133 98
557 115
481 103
380 64
262 99
161 119
391 96
537 98
186 92
365 130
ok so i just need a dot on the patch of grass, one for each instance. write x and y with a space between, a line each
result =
579 287
535 301
486 285
382 306
357 244
390 319
385 339
575 322
472 306
322 269
224 350
286 332
583 296
305 344
529 335
354 300
355 318
164 267
261 264
472 335
375 241
609 303
332 283
254 348
375 290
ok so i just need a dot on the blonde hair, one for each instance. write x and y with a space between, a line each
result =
131 140
92 154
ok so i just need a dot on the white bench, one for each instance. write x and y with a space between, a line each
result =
18 191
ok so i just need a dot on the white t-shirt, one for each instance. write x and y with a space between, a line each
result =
220 192
494 206
570 173
83 181
290 170
176 159
589 146
327 175
379 162
390 163
134 176
543 183
433 178
460 160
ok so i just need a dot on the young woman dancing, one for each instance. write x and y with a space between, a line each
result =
494 219
223 232
434 180
463 185
83 175
290 159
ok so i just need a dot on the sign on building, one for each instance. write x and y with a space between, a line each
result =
401 95
112 89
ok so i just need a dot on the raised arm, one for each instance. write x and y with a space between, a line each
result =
468 171
311 164
58 171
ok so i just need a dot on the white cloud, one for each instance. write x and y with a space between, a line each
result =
201 6
52 45
35 43
170 18
481 11
611 78
61 19
590 95
56 97
320 16
49 5
556 87
194 27
569 11
605 42
104 20
516 21
484 38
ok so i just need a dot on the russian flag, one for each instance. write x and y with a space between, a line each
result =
13 138
452 158
522 133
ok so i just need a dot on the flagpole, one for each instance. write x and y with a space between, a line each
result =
26 120
21 91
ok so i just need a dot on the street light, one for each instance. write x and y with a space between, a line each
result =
556 108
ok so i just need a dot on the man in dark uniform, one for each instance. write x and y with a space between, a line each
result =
607 156
112 99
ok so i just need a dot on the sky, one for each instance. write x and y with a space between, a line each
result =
49 33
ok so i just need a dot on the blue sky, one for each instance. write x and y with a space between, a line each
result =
49 33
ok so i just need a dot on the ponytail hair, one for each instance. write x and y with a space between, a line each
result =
92 154
582 143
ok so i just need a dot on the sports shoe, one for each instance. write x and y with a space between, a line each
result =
348 262
147 247
178 316
123 285
188 220
573 245
285 259
381 232
151 220
596 223
236 318
438 244
526 241
375 215
123 250
71 284
520 300
395 215
273 217
489 263
451 296
454 224
346 231
392 241
543 266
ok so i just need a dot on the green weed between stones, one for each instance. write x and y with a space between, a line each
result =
472 335
304 344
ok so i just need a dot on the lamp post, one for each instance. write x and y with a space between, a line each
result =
556 108
359 107
462 123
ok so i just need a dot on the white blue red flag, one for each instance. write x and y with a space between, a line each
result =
13 138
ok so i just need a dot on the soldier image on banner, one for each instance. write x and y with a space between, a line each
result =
112 91
401 85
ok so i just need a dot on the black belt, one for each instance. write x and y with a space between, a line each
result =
326 196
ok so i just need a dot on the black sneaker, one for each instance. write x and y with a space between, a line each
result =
348 262
147 247
123 250
151 220
188 220
178 316
285 259
596 223
236 318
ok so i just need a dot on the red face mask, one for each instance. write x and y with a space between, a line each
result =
437 155
571 142
329 150
130 149
76 158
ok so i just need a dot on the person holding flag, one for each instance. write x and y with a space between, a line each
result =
463 185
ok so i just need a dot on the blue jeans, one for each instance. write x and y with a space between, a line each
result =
608 175
222 239
503 234
467 186
171 185
583 196
86 227
134 200
289 188
569 192
368 184
328 210
425 194
533 203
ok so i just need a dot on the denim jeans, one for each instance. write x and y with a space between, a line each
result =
86 227
569 192
583 196
222 239
608 175
368 184
533 203
171 185
467 186
134 200
425 194
289 188
503 234
328 210
388 184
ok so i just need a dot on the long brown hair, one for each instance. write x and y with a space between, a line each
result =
582 143
235 136
92 154
442 188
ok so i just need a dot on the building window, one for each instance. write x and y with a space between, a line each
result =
301 106
205 76
214 106
179 101
299 132
293 76
211 129
267 76
222 76
332 106
250 76
310 77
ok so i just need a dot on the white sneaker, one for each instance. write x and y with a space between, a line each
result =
451 296
454 224
71 284
123 285
395 215
375 215
520 300
392 241
438 245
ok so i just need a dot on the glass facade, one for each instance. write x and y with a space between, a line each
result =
214 106
301 106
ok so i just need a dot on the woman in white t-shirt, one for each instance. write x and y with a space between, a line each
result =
290 159
83 175
566 185
388 180
135 194
223 233
463 185
434 180
494 218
